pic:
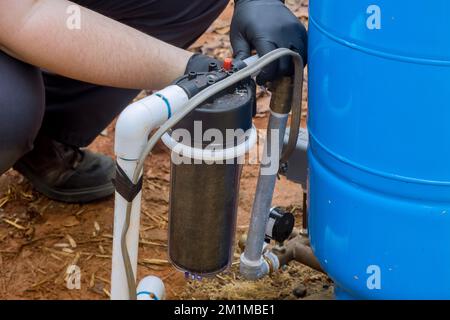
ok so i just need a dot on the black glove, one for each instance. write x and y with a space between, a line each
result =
266 25
201 63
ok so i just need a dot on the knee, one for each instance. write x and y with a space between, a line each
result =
21 109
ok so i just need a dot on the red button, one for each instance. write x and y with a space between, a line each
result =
228 64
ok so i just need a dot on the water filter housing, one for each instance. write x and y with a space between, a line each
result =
204 195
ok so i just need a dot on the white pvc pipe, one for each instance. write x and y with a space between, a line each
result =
151 288
132 130
119 285
140 118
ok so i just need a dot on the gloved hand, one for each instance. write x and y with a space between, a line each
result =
200 63
266 25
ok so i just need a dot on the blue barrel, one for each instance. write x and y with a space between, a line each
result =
379 154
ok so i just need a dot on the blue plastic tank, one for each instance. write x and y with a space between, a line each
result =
379 154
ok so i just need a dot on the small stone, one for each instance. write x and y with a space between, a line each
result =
300 291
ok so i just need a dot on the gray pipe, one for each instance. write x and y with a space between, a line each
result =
252 261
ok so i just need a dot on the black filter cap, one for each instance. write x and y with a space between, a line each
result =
232 109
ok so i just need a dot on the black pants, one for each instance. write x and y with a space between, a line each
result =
74 112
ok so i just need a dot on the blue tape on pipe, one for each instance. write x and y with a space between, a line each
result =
166 101
151 294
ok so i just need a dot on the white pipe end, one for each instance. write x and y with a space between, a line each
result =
151 288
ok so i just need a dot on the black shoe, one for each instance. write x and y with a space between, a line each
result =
68 174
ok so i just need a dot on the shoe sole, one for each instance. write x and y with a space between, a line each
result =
83 195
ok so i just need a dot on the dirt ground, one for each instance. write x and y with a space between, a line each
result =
40 238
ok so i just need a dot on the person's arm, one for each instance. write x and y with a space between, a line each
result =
103 51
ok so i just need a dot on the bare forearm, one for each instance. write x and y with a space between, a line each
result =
102 51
